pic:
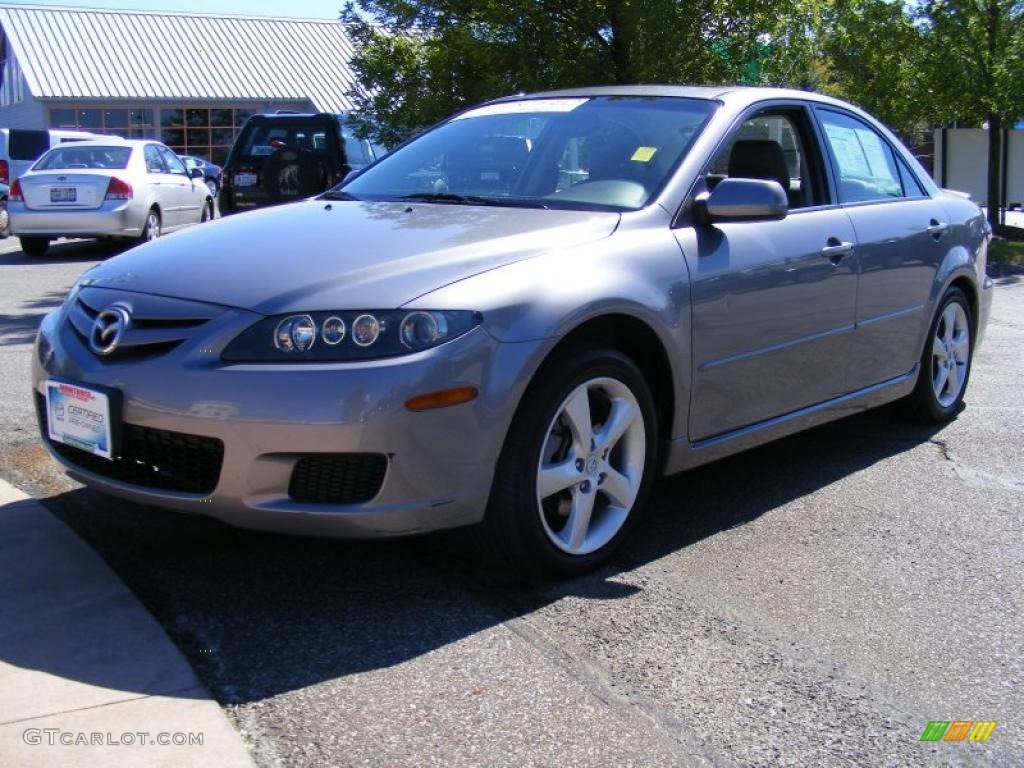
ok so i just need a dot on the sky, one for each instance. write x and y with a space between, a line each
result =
311 9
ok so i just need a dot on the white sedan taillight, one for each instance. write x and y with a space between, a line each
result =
119 190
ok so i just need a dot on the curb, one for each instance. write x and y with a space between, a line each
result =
87 675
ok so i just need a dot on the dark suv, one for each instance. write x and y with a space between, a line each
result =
285 156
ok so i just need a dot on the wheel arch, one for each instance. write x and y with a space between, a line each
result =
636 339
970 289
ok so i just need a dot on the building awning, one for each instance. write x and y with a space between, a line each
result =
68 53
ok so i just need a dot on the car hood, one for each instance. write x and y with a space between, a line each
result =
318 255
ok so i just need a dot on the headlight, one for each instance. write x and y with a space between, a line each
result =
356 335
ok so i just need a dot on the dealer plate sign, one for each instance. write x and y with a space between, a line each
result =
80 417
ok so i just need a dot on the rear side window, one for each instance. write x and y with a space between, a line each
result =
154 163
28 145
71 157
864 163
911 186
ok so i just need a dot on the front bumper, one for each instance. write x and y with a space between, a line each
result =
440 463
115 218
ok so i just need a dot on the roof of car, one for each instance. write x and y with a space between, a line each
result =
111 141
730 93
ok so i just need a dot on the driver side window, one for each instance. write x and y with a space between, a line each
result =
770 147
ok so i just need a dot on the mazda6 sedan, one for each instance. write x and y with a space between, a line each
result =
520 318
134 190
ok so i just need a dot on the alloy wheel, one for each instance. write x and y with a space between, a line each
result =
591 466
951 348
152 226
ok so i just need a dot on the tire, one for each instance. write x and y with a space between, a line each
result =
529 531
5 220
941 384
207 212
151 229
34 247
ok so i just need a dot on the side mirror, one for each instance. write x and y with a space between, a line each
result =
195 173
746 200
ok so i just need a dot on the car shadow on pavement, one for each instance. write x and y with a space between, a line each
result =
260 614
67 252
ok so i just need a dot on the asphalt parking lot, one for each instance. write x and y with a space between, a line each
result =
813 602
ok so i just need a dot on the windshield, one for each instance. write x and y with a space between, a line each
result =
612 152
84 157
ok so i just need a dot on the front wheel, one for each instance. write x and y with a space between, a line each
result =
945 361
576 467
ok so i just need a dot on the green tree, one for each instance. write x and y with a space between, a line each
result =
419 61
871 54
974 52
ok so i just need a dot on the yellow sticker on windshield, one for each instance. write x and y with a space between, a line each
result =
643 154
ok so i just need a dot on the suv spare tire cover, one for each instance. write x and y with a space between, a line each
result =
291 174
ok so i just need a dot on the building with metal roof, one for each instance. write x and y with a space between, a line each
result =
189 80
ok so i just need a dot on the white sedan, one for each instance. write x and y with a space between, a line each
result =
106 188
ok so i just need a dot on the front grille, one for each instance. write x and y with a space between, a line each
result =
338 478
158 323
150 458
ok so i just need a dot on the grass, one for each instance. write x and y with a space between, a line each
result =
1003 251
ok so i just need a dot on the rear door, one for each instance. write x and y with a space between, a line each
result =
772 301
901 242
164 185
280 159
189 198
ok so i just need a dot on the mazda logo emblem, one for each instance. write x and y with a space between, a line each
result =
108 329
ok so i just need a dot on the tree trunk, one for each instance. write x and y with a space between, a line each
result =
995 156
618 20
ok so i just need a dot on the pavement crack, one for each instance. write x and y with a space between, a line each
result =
672 732
943 447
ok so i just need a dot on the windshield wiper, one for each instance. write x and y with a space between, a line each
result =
337 194
454 199
443 197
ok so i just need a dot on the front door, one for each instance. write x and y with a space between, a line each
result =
773 301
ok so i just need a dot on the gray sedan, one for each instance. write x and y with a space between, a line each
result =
106 188
520 318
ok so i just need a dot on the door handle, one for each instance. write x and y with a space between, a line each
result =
937 228
835 250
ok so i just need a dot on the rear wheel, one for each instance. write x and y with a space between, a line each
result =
34 247
576 467
945 361
5 220
151 230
